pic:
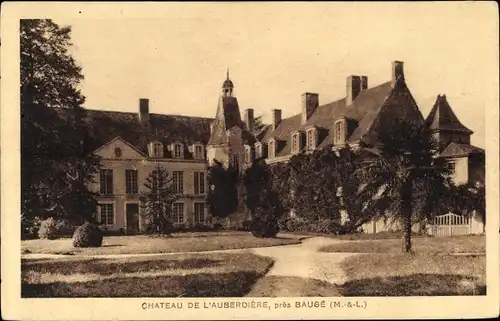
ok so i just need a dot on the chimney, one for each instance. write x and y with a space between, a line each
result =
397 71
144 110
310 102
353 87
249 120
276 118
364 82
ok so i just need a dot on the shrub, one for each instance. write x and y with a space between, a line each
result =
65 227
264 228
29 227
246 226
87 235
48 229
200 227
321 226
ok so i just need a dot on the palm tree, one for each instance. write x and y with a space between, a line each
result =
404 173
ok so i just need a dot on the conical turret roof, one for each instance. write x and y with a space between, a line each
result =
442 117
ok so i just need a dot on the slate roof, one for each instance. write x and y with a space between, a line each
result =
227 117
455 149
442 117
106 125
361 113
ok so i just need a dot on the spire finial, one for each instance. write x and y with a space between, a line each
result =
227 74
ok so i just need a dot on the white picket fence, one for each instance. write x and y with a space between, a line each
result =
450 225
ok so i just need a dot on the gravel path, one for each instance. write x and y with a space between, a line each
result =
304 260
301 262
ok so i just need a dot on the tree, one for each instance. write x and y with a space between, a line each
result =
404 170
261 200
158 200
222 195
468 199
54 139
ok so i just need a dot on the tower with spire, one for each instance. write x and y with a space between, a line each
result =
228 132
465 160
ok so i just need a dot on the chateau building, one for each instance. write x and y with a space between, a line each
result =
351 120
130 144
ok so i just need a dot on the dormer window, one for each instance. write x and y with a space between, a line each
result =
156 149
177 150
311 139
258 150
271 149
296 142
198 151
339 132
248 154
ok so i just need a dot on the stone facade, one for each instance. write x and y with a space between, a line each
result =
127 211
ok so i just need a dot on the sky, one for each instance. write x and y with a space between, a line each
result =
178 56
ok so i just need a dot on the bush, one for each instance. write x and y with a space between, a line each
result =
48 229
65 227
218 226
245 226
29 227
322 226
199 227
261 228
87 235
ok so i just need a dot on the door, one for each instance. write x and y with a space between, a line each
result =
132 210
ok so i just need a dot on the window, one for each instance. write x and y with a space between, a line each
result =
177 150
131 181
198 152
271 151
157 150
178 181
248 154
451 166
199 182
295 143
311 142
106 181
178 212
199 213
107 214
258 150
118 152
339 132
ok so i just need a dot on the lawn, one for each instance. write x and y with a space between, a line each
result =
438 266
454 244
177 275
414 275
181 242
